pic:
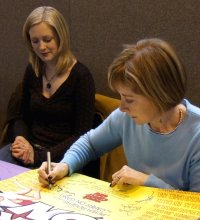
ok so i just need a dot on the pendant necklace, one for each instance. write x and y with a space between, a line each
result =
48 85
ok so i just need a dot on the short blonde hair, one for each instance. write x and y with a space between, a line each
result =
56 21
151 68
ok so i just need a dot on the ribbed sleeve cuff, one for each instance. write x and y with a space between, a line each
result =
154 181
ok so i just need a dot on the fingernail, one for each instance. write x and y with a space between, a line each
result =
112 184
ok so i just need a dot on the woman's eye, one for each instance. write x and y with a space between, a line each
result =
34 41
47 40
129 101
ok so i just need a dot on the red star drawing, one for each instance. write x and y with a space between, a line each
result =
97 197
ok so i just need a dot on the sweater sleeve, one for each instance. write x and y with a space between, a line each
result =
154 181
94 143
18 111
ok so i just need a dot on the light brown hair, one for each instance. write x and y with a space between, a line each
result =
151 68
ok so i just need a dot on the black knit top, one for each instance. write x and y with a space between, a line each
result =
55 123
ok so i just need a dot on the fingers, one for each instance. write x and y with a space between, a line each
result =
23 151
115 181
58 171
120 177
116 178
43 176
127 175
26 159
26 155
17 153
19 140
43 173
21 143
18 146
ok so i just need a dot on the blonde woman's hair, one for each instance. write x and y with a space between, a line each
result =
56 21
151 68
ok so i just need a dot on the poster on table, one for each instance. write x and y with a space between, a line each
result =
79 197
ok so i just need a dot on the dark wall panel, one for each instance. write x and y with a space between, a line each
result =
99 28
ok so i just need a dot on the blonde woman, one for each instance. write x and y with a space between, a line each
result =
58 93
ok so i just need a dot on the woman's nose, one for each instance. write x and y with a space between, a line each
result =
122 106
42 45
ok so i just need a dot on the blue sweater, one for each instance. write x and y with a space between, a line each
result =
171 160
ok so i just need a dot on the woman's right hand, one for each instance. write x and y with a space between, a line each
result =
58 171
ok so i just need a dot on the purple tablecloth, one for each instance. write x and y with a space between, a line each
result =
8 170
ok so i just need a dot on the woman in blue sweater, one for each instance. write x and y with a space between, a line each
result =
159 129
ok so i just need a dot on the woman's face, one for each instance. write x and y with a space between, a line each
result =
138 107
44 41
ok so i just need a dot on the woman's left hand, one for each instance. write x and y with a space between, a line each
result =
23 150
127 175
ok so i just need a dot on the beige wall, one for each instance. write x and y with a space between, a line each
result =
99 28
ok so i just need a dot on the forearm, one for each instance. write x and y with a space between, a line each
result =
19 128
79 154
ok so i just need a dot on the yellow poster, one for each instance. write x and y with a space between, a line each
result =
84 198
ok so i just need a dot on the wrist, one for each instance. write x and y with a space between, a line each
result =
143 178
65 169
